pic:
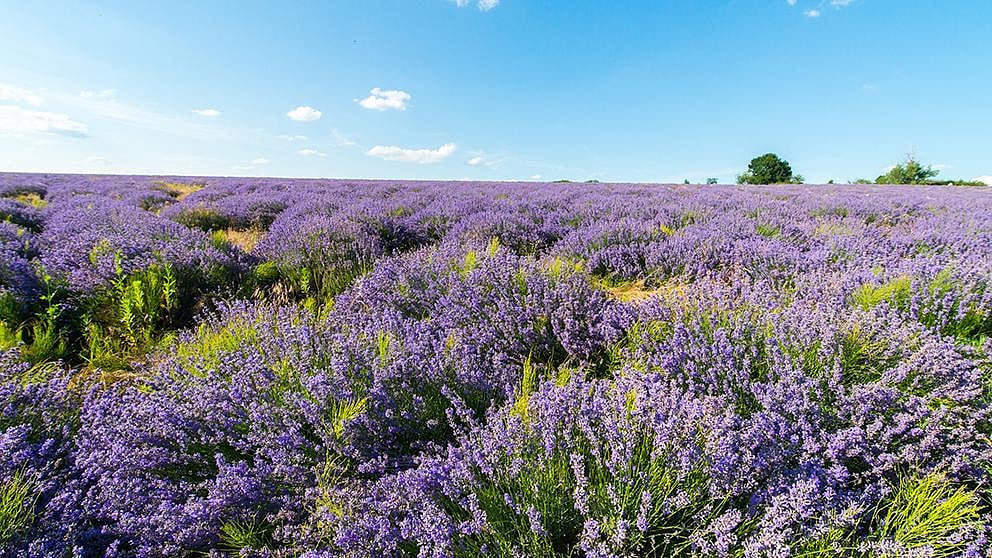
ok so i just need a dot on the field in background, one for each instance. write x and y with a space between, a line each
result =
383 368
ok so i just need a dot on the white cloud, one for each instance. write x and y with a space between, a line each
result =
812 13
254 163
293 137
18 120
476 161
791 2
535 177
382 100
419 156
941 166
101 94
986 179
16 94
841 3
304 114
308 152
208 112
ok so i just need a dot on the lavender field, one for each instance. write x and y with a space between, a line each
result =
355 368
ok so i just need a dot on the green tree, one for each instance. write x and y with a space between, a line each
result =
909 171
769 169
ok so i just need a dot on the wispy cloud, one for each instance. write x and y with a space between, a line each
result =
100 94
419 156
304 114
96 161
482 160
383 100
343 140
292 137
254 164
138 117
483 5
312 153
19 95
817 11
17 120
207 112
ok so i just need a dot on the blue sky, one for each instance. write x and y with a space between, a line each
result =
495 90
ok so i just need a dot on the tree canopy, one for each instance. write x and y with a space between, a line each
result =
769 169
909 171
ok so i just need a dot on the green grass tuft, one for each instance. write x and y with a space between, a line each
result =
928 513
17 506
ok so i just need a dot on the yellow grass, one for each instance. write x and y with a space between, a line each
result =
246 240
635 291
178 190
34 200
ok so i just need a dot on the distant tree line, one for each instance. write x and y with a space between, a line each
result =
772 169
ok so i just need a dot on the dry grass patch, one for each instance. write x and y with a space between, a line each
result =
179 190
637 291
246 240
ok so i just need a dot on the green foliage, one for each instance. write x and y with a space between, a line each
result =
910 171
528 382
239 536
44 337
928 513
896 292
209 345
203 218
128 319
17 506
32 199
943 305
863 358
545 487
769 169
767 230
